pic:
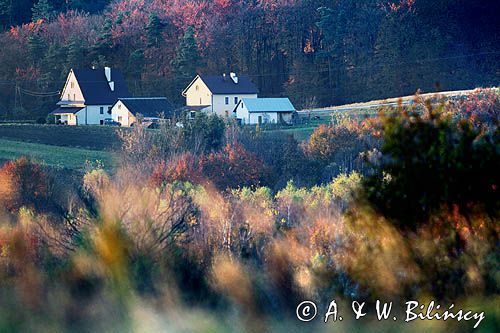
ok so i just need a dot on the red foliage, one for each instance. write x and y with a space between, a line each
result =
233 167
183 167
23 183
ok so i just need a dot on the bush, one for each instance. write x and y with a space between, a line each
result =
429 162
23 183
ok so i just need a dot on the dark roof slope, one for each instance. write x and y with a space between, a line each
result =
66 110
95 87
220 85
149 106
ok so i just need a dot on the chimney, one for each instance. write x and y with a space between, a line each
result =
224 76
112 86
107 71
234 77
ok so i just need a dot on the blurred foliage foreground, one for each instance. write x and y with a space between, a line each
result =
125 252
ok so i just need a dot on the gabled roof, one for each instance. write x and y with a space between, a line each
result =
268 104
220 85
151 107
60 111
95 87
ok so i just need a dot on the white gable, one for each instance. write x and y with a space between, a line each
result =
72 94
198 93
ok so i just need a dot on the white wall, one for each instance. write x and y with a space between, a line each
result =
120 110
252 118
69 118
219 106
72 91
91 115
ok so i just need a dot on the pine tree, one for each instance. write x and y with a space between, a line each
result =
187 60
36 48
5 13
154 30
42 10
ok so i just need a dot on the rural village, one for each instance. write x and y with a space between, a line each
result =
101 97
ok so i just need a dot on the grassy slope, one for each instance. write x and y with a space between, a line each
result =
86 137
62 157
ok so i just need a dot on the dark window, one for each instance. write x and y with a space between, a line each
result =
101 110
101 122
227 100
236 100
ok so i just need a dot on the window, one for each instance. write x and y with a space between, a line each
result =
197 88
119 106
74 97
109 109
69 97
200 100
227 113
101 110
227 100
242 105
120 119
72 85
236 100
101 122
193 114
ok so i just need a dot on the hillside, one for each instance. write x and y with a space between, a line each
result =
317 52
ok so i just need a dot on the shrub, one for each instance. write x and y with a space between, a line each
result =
429 162
23 183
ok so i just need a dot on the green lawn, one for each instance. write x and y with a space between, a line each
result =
55 156
85 137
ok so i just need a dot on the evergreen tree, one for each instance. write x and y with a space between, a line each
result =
102 48
187 60
42 10
36 48
5 13
154 30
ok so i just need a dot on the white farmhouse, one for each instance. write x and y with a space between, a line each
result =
88 96
130 111
264 110
218 94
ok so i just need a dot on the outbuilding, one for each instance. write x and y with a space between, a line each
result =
250 111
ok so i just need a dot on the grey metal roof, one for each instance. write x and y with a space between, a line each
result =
95 87
220 85
268 104
149 106
61 110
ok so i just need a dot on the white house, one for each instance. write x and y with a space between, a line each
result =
128 111
218 94
264 110
88 96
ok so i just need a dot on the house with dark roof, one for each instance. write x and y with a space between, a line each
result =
250 111
88 96
130 111
218 94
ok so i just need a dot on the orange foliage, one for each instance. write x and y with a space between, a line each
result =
22 183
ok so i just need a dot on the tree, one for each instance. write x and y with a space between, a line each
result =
430 162
187 60
154 30
233 167
42 10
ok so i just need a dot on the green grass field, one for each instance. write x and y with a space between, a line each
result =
54 156
86 137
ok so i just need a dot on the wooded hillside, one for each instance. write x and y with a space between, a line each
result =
317 52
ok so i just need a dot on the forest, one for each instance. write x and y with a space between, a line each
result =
317 52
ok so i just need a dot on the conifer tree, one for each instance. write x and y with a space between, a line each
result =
42 10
